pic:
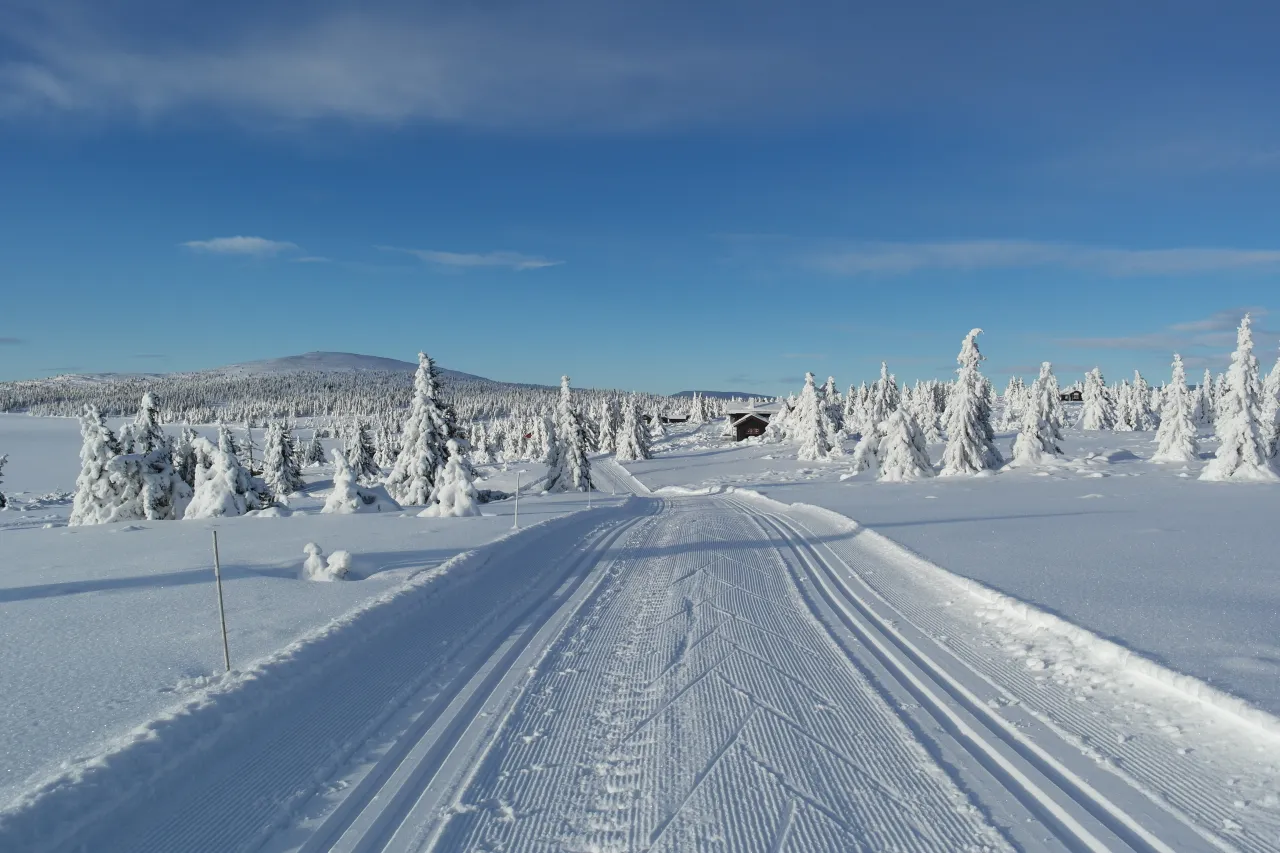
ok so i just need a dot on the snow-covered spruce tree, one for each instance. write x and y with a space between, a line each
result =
1053 395
360 452
811 427
225 488
657 429
146 434
569 469
422 441
1271 411
96 495
1015 400
1123 395
1204 401
632 436
1097 410
313 450
387 448
883 400
696 415
1037 437
184 456
1142 417
280 468
969 449
835 409
1176 438
901 453
348 496
780 424
1243 453
4 457
455 493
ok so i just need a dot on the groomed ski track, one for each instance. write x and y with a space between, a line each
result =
681 673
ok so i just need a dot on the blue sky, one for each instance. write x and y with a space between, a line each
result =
641 195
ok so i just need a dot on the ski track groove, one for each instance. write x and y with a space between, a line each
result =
1082 712
235 802
692 674
682 736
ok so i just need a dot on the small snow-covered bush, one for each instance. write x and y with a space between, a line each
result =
455 494
315 568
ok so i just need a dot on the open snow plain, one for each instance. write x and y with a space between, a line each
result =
671 671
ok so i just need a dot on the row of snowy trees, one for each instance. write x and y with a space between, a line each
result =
894 426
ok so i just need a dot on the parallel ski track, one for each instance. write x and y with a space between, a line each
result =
401 798
696 704
1081 816
236 801
1203 790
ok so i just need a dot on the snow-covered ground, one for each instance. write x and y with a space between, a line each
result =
796 663
1182 571
105 627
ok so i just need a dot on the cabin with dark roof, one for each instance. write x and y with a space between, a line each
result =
749 421
1075 396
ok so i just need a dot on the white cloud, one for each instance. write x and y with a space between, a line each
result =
254 246
508 260
901 258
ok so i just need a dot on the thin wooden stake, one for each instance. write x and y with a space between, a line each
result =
222 613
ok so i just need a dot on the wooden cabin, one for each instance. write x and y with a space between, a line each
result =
1075 396
749 421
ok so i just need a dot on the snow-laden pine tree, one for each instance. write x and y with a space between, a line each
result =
455 493
361 453
313 450
1123 395
386 447
348 496
1097 410
4 457
1037 436
611 418
1015 400
901 453
1142 417
1271 411
811 427
696 414
968 419
280 468
1176 439
184 456
422 441
632 435
224 488
147 434
1243 452
1204 400
97 496
884 399
780 424
569 467
834 404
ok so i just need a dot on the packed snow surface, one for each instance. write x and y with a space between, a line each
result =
725 660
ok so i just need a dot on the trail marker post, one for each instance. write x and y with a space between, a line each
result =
222 613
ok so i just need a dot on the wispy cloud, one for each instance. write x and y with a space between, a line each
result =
1206 342
312 259
468 260
903 258
258 247
11 341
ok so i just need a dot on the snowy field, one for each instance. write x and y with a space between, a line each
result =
736 651
1184 572
105 627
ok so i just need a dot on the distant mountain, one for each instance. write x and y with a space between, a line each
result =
333 362
725 395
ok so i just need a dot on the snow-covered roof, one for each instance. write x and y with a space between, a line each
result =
757 409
